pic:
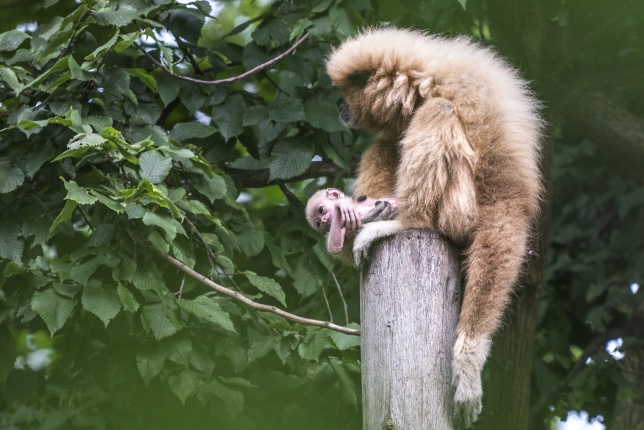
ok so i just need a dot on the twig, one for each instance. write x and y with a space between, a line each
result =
290 197
328 306
261 178
183 281
344 303
209 253
236 295
231 79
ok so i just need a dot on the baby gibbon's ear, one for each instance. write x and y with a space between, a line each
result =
406 88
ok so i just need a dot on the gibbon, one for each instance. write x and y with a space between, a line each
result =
331 211
458 144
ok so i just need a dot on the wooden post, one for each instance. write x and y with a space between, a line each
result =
409 309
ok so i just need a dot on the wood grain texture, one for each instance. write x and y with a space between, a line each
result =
409 310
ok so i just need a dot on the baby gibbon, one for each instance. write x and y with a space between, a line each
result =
331 211
458 144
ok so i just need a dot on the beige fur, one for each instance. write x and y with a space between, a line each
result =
458 145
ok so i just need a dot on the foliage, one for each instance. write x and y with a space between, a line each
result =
102 150
594 261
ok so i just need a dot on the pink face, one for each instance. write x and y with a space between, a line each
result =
320 207
322 217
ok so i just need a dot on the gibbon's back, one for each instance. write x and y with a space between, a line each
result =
497 109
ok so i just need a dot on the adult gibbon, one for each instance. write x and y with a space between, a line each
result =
458 145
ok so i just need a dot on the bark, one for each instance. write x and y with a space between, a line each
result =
409 309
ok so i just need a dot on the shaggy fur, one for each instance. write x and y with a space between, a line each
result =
458 145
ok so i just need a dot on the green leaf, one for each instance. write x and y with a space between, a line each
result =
267 285
102 301
125 14
306 281
183 384
111 204
148 281
189 130
64 215
154 166
67 290
213 188
168 88
10 40
251 241
260 348
150 364
161 320
164 222
81 272
287 109
78 193
200 359
11 247
147 79
229 116
324 115
86 140
347 385
313 344
10 177
52 308
9 76
209 310
290 157
345 341
233 399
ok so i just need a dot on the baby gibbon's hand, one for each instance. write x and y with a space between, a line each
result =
348 215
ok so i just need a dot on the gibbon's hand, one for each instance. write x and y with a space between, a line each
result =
467 365
369 233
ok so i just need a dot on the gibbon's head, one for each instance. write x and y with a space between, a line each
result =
319 207
382 76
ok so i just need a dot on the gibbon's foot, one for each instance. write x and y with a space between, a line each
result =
369 233
467 364
382 211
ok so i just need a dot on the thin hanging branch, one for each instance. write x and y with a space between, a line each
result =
236 295
233 78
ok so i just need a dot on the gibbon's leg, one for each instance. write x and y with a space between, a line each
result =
435 179
369 233
493 263
377 170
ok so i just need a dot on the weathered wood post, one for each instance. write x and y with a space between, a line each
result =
409 309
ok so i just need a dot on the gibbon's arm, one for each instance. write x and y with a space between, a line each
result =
435 182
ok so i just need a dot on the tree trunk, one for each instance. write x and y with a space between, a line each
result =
409 309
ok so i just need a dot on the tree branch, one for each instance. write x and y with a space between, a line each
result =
260 178
233 78
234 294
619 132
